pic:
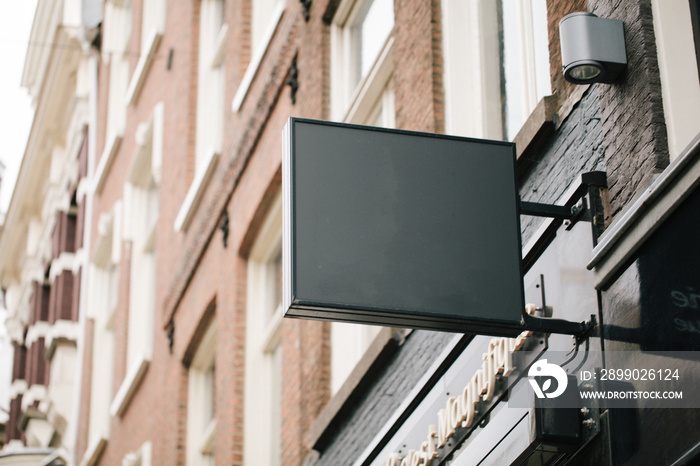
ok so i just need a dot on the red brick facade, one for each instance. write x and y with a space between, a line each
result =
201 271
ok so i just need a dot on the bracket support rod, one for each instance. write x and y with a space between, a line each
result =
580 330
537 209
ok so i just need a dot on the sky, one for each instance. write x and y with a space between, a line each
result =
16 112
16 116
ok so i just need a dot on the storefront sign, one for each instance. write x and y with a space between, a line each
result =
401 228
465 409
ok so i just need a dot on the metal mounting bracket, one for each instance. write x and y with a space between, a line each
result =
580 330
536 209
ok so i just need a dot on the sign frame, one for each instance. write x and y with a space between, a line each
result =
297 305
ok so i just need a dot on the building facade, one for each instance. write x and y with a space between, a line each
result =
43 252
142 251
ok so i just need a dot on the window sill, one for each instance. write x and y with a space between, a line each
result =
65 262
384 346
368 91
128 388
94 451
143 67
220 47
206 447
18 387
195 193
40 329
539 125
62 331
34 394
106 161
255 61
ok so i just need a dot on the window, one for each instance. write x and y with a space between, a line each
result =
115 52
103 297
201 418
141 195
676 27
361 66
263 381
210 90
210 104
152 21
265 16
140 457
362 93
496 65
152 28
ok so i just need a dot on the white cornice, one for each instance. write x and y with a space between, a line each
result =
46 20
15 329
34 393
63 332
39 330
18 387
66 261
50 75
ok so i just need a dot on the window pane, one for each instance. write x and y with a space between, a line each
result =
525 67
376 27
539 23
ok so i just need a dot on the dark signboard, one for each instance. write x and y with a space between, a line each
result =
655 301
669 279
400 228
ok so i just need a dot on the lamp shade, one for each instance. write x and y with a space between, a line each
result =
592 48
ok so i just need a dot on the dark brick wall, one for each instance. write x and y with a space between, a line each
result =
634 130
391 386
576 147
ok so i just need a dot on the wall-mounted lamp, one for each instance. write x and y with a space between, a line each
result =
592 48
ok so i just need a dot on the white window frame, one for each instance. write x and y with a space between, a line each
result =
140 457
152 30
349 342
369 99
263 381
213 32
680 86
103 296
261 36
115 52
474 104
141 194
201 428
353 98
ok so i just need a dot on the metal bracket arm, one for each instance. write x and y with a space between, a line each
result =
581 330
536 209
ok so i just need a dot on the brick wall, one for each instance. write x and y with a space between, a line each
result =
194 268
632 118
556 10
418 65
